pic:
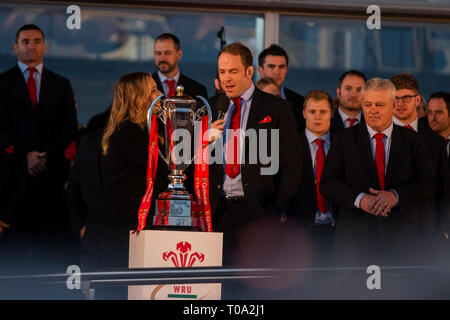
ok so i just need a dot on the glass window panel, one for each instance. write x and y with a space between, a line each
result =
113 41
321 49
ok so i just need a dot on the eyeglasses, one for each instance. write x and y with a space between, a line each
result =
405 99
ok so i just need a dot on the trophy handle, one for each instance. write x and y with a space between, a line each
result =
207 108
149 122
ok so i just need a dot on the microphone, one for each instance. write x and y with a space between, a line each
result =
222 107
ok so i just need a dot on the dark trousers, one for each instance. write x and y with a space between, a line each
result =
251 234
322 243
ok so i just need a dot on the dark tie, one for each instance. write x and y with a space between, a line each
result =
232 167
322 203
31 83
408 126
351 121
379 158
171 85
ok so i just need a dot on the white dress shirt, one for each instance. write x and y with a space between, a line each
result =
37 76
387 147
414 124
321 217
163 78
232 187
345 116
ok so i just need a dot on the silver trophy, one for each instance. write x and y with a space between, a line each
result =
178 114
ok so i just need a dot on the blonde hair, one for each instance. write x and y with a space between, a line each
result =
131 101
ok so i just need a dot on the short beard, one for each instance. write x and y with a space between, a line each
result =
351 107
170 68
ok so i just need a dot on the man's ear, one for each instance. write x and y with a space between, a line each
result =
179 54
338 92
16 48
260 71
418 99
304 113
249 72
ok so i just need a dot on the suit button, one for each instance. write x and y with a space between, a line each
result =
219 186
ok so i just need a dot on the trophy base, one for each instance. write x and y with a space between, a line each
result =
173 209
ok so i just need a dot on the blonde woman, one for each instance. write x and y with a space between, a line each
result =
124 164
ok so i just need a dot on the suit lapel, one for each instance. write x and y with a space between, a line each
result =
22 87
396 143
307 156
363 145
255 110
158 82
44 91
336 121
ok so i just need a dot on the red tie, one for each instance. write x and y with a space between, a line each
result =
351 121
232 167
379 158
408 126
322 203
171 85
32 87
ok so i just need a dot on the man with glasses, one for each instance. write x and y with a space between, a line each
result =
407 99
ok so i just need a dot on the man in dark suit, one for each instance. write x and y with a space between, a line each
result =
273 63
349 93
407 99
249 194
310 208
39 106
167 54
439 116
381 177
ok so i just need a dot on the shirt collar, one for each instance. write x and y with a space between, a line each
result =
413 124
345 116
247 93
23 67
282 92
163 77
312 137
387 132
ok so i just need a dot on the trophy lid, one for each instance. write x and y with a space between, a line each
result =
180 97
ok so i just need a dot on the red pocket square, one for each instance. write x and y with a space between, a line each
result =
10 149
266 120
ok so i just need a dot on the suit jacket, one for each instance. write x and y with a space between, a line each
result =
350 169
438 153
337 123
304 206
51 128
265 191
296 101
191 87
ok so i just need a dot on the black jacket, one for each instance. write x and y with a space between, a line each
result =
51 128
350 169
296 100
304 206
266 191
